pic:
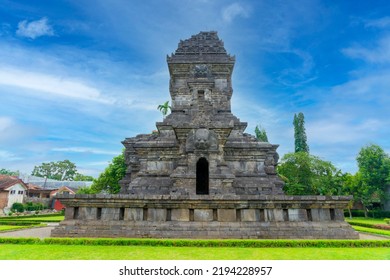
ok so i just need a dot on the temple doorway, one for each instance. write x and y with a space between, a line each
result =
202 176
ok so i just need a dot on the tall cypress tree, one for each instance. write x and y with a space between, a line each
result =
300 133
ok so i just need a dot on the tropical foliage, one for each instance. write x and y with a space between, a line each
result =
305 174
108 180
261 134
164 108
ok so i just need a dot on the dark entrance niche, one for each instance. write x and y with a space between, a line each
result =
200 94
202 176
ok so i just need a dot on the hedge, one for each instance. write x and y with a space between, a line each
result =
202 243
19 223
371 213
19 240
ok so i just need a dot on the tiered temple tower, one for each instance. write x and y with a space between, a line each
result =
200 175
201 147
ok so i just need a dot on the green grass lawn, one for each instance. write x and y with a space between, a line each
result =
83 252
7 227
372 230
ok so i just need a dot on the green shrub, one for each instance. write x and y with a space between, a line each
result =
219 243
29 206
203 243
371 213
19 240
387 221
17 207
379 214
19 222
361 224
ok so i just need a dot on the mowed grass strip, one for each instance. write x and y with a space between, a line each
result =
372 230
4 228
7 227
369 221
84 252
54 219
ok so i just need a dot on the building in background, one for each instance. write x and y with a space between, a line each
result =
12 189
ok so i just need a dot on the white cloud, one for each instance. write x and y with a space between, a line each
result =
56 86
342 130
234 10
379 23
5 124
374 86
34 29
378 54
7 156
85 150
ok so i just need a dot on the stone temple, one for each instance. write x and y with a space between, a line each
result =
200 175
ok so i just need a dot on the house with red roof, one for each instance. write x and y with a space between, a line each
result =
57 205
12 190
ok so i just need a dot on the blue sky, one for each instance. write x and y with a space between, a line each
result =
78 77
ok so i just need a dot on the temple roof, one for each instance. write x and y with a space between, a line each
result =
205 46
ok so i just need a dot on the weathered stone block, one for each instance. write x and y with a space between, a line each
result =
227 215
320 214
203 215
182 215
69 213
109 214
296 215
82 213
88 213
157 215
249 215
133 214
275 215
339 214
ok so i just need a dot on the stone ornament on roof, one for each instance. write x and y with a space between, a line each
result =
202 44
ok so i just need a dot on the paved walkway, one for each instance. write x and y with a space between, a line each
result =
44 232
40 232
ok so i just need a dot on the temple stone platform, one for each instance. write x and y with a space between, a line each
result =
201 175
270 217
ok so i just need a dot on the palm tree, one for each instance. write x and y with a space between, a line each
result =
164 108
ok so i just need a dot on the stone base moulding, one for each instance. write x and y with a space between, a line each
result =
243 217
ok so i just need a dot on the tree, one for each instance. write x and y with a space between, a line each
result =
306 174
108 180
4 171
374 169
261 134
81 177
60 170
164 108
86 190
352 185
300 133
